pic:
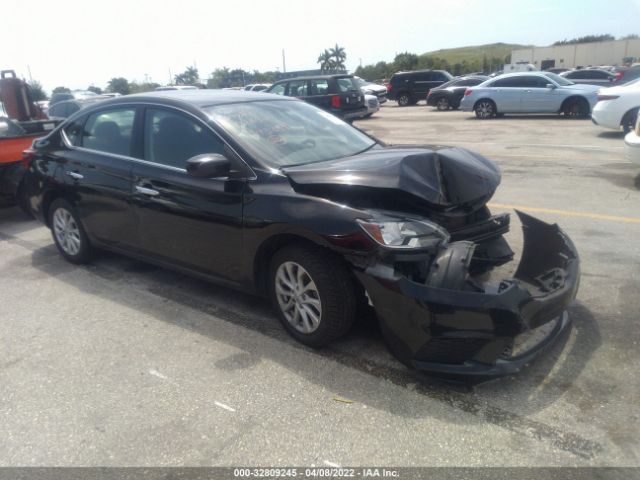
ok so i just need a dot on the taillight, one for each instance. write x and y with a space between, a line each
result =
607 97
335 101
619 75
389 87
27 155
468 92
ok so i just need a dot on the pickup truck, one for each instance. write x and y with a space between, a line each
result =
21 122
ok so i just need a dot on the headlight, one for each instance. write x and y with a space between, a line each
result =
405 233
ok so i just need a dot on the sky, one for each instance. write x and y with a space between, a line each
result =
80 43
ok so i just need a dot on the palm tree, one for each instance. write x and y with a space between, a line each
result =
340 55
325 59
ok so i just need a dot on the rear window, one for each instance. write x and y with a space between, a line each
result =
346 84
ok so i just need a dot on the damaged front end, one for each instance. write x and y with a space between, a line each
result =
439 317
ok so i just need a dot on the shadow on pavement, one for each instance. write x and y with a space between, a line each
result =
362 350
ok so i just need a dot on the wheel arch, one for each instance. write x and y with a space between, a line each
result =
485 99
573 98
632 112
266 250
49 197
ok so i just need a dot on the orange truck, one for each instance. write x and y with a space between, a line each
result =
21 121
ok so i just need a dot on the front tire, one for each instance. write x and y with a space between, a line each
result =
485 109
576 108
313 294
68 232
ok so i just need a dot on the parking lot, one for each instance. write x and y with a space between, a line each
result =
122 363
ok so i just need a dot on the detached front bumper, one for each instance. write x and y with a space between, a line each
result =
487 330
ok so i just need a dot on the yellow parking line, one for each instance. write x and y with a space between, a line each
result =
568 213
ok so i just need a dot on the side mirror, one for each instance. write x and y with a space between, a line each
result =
551 86
209 165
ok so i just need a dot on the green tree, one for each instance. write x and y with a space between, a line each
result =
94 89
189 77
339 55
61 90
135 87
119 85
406 61
325 59
37 92
586 39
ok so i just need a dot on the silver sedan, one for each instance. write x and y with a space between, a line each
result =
529 92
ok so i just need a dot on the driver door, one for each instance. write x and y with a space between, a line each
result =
191 222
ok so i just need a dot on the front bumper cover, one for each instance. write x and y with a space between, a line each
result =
495 331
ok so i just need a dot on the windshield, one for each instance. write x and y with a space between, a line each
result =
563 82
286 133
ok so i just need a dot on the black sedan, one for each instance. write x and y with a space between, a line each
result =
275 196
449 95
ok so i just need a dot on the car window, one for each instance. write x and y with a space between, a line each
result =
74 131
172 138
422 77
298 88
55 110
600 75
469 82
319 87
347 84
278 89
110 131
278 133
506 82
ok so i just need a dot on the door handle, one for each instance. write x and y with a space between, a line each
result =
75 175
147 191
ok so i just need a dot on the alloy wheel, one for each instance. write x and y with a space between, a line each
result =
66 231
443 104
298 297
484 110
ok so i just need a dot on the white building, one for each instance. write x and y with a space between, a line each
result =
579 54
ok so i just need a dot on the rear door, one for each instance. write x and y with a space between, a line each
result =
319 93
421 84
96 167
507 93
195 223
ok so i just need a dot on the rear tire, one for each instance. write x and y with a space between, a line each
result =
68 232
404 99
485 109
576 108
443 104
628 122
313 294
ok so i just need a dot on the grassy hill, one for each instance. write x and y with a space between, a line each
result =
474 54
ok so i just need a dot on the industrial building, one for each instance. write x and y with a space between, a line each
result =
616 52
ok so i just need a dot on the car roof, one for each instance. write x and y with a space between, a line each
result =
522 74
321 77
197 98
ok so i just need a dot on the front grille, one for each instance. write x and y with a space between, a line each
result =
450 350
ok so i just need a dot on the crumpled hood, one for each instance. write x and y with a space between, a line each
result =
584 88
444 177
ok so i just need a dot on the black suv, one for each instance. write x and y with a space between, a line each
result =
407 88
338 94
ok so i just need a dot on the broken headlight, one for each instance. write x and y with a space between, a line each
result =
405 233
